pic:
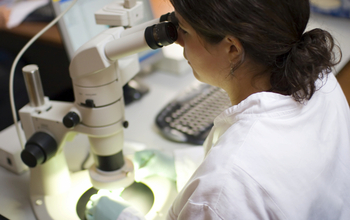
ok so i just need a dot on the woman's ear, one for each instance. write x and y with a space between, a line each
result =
235 50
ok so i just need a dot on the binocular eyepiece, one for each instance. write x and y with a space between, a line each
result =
163 33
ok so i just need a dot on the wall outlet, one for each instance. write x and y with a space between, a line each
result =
10 150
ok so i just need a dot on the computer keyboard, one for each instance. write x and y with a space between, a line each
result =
189 117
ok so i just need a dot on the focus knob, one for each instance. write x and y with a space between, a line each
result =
71 119
32 155
38 149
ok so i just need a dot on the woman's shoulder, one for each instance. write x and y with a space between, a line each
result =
222 190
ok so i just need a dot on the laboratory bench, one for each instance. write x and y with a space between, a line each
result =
141 114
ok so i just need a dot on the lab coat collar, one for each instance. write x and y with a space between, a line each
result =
262 104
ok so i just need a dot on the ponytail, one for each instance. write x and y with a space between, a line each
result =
308 59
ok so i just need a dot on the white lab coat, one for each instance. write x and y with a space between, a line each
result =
270 157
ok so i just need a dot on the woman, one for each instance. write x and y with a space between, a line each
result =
282 151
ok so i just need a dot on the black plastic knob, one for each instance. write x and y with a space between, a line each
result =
38 149
32 155
125 124
71 119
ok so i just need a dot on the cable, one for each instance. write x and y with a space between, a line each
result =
12 73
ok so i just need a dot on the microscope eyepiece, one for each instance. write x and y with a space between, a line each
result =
161 34
170 17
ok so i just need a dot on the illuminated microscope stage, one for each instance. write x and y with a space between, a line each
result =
142 197
152 196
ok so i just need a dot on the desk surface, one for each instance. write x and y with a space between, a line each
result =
14 192
29 29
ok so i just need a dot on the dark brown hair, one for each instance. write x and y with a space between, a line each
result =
272 33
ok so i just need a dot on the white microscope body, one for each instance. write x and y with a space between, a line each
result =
98 70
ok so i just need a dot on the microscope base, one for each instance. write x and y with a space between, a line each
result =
164 191
64 206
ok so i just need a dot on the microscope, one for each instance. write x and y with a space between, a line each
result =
98 70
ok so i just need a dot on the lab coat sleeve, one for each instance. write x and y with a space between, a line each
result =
187 160
194 211
130 213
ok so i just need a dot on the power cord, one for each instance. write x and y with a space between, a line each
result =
19 55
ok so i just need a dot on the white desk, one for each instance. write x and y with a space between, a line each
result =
14 192
141 114
14 201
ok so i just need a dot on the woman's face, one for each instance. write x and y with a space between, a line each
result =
209 64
